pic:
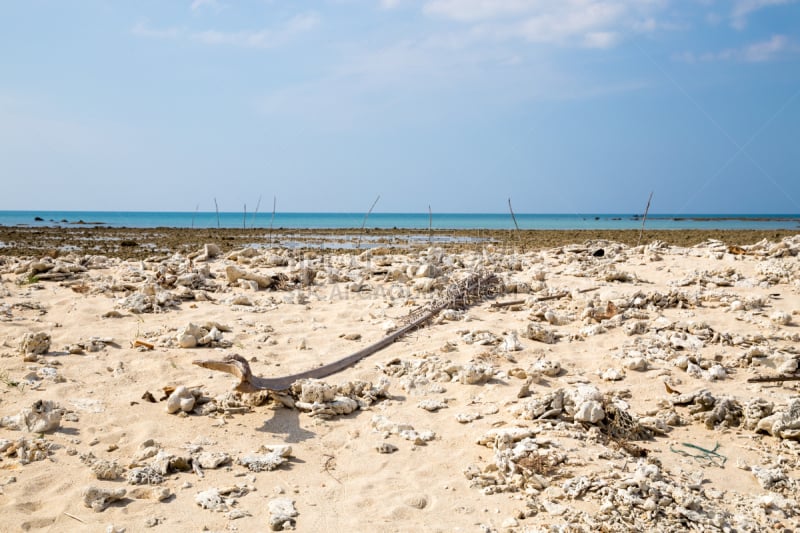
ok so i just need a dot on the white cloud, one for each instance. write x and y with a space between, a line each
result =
263 38
744 8
591 23
390 4
754 53
766 50
143 29
199 4
600 39
473 10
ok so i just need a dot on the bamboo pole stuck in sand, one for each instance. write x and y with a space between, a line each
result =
272 219
644 218
430 225
514 218
253 221
364 223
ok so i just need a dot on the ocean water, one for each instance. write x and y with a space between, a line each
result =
419 221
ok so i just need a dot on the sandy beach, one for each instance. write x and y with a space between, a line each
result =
596 386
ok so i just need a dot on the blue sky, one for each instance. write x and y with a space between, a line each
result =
566 106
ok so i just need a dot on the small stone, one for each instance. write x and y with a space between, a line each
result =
34 344
150 493
282 514
181 399
591 411
386 447
98 499
612 374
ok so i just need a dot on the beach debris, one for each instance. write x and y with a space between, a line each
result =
26 450
537 332
92 344
275 281
784 423
208 252
268 458
211 460
106 470
98 498
282 514
511 343
471 288
182 399
32 345
385 426
208 334
43 416
386 447
220 499
432 405
150 300
150 493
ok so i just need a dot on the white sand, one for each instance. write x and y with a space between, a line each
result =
337 479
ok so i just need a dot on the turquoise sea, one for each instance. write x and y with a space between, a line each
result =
144 219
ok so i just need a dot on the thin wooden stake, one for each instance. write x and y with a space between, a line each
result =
272 219
364 223
216 208
258 204
244 217
430 225
514 218
644 218
74 517
194 214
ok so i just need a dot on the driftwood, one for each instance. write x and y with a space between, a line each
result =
460 294
772 379
498 305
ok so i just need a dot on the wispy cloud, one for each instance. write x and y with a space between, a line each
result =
589 23
742 9
766 50
390 4
200 4
263 38
759 52
143 29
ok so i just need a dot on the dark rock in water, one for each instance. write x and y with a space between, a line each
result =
599 252
38 219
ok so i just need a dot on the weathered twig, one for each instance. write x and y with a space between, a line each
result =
458 294
552 296
74 517
507 304
772 379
